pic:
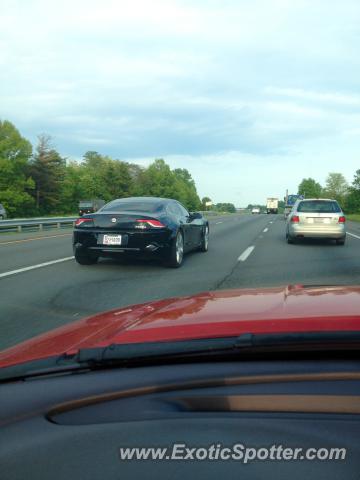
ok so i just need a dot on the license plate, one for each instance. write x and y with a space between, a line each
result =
315 220
111 240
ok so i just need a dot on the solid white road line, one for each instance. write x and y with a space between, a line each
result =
34 239
34 267
245 254
265 230
217 223
353 235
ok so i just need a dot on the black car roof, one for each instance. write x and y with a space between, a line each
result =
144 199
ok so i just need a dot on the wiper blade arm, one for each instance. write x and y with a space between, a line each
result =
135 351
126 354
300 338
243 344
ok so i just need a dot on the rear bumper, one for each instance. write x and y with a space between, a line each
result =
134 243
317 231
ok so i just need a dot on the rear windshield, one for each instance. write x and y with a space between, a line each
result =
318 206
132 206
86 204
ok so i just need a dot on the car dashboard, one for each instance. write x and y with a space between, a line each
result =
74 425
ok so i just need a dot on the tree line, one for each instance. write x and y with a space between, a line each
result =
207 204
41 182
335 187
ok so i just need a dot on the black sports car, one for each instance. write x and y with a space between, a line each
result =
142 226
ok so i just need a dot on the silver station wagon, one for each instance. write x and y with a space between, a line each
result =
316 218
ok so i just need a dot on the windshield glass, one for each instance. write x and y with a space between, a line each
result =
318 206
207 122
132 206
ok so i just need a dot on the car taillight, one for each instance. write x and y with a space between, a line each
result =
342 219
146 223
81 221
295 219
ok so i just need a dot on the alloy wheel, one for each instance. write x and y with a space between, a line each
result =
206 238
179 248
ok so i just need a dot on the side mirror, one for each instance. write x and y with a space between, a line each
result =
195 215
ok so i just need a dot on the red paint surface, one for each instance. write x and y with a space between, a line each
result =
206 315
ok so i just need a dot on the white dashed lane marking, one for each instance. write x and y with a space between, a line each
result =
246 254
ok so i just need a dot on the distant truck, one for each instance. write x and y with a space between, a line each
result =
290 201
272 205
90 206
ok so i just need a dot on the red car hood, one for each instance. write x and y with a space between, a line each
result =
211 314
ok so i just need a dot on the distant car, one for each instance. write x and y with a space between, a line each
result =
90 206
140 226
316 218
255 210
2 212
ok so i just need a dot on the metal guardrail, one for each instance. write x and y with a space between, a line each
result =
35 224
29 224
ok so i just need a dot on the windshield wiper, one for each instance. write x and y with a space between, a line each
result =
134 354
246 343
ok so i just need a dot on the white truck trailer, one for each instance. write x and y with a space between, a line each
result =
272 205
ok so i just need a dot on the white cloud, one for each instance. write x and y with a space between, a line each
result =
236 90
328 98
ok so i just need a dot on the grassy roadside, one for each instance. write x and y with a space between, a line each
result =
354 217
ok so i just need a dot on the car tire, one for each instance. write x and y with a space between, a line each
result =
85 259
290 240
176 252
340 241
204 246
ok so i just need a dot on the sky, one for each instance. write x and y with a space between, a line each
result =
250 96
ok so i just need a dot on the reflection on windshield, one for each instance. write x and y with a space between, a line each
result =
242 111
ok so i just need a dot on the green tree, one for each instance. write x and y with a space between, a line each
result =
336 187
106 178
116 179
225 207
93 160
47 183
91 176
352 204
15 183
185 189
310 188
158 180
135 172
48 171
72 187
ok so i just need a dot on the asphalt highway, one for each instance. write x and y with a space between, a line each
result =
42 287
